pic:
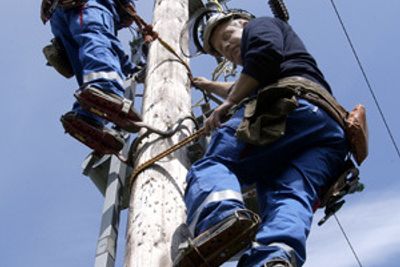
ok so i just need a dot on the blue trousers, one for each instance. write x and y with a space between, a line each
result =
96 55
288 175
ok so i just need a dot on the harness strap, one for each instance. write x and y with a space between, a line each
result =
316 94
354 123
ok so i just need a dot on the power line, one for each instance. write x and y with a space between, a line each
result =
348 241
366 79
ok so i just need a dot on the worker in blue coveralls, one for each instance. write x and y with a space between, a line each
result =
289 169
87 30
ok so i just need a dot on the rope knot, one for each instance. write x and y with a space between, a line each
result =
149 35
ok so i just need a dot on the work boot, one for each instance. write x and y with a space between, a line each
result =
94 135
220 242
111 107
278 263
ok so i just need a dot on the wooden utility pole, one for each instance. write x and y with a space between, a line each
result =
156 207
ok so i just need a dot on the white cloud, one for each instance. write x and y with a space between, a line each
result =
373 228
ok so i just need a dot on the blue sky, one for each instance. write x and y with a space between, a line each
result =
50 213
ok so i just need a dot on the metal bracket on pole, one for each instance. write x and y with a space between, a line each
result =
107 242
108 173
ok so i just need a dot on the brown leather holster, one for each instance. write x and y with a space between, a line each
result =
354 122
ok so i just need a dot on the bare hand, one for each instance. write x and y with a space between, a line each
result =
202 83
217 116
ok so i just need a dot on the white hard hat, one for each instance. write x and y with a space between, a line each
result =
216 20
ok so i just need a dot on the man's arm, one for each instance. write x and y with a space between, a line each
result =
221 89
243 87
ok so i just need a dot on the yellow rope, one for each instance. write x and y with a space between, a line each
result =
163 154
219 6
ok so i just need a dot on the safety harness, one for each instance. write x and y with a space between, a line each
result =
265 116
354 123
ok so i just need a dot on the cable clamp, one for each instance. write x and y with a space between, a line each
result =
126 105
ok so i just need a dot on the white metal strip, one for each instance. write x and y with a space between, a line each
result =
111 75
283 246
126 105
288 249
213 197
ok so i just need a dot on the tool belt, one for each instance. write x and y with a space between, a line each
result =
264 120
57 57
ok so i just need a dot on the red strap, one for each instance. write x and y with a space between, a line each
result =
316 205
81 16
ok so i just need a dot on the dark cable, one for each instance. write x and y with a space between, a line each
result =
348 240
279 9
366 80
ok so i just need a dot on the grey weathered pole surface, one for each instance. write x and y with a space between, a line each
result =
156 205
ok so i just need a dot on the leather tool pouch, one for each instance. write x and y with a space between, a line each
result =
354 123
357 133
57 57
264 118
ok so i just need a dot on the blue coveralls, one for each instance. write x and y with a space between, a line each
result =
89 35
288 174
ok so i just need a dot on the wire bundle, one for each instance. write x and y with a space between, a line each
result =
279 9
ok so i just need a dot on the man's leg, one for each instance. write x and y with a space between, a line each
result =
289 174
213 191
104 65
286 203
84 34
212 194
93 30
216 213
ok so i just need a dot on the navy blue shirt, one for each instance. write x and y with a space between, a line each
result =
271 50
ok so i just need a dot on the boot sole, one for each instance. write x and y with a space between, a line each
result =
109 107
93 137
221 242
